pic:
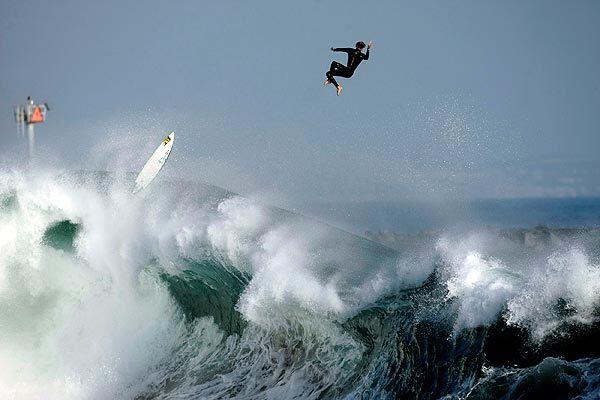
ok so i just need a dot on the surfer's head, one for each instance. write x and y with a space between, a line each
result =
360 45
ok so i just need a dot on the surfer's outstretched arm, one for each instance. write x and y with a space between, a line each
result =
366 57
342 49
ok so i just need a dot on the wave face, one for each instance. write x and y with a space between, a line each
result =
193 292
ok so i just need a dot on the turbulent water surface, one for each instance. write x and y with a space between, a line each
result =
192 292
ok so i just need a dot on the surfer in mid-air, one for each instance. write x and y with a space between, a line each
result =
355 57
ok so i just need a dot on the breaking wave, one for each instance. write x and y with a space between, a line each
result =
189 291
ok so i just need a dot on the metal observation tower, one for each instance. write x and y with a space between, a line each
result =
26 117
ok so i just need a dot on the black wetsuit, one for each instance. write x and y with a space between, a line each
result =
355 57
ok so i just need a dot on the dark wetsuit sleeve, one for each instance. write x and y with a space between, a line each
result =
366 57
343 49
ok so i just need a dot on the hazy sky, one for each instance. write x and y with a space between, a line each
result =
462 98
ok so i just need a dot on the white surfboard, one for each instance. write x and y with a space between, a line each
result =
155 163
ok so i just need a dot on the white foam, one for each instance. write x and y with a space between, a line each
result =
567 275
489 275
75 327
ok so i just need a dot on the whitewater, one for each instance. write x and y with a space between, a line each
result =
188 291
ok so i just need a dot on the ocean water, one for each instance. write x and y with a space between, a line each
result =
413 216
189 291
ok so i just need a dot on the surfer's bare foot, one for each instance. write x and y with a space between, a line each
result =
327 82
339 90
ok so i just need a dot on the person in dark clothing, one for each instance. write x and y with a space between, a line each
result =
355 57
